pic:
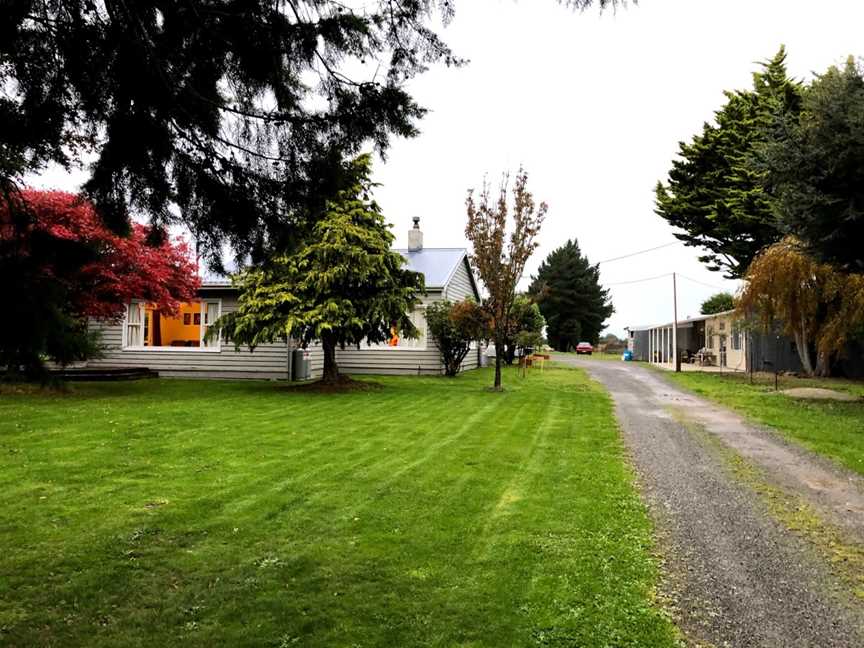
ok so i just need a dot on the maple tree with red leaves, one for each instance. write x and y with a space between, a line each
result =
64 266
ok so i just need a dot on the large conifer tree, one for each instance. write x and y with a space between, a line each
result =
344 285
567 289
816 168
715 194
237 112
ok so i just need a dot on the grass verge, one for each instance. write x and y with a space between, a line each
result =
427 512
831 428
843 556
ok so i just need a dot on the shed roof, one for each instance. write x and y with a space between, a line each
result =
687 321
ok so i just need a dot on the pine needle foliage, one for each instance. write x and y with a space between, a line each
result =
343 286
231 116
716 195
568 291
815 167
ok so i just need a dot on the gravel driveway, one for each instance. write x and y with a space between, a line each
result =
736 576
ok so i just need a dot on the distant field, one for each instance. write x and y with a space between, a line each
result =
429 512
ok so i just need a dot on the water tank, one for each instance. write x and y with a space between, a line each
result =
301 364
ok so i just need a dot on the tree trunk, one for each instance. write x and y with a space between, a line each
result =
803 352
510 353
499 350
331 369
823 365
454 361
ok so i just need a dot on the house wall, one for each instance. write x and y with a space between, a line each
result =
461 287
770 352
267 361
393 360
270 361
387 360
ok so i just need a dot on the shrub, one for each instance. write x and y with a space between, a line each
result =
455 327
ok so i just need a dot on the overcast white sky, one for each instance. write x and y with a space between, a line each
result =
594 107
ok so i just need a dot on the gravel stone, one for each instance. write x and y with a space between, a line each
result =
735 576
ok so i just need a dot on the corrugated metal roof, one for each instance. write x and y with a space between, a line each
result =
437 265
681 322
210 279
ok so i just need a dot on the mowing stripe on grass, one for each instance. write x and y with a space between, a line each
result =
429 512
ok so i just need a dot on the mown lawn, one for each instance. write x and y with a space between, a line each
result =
834 429
429 512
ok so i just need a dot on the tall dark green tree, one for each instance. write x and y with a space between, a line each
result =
815 167
238 113
568 291
715 194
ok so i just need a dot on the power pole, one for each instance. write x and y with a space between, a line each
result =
675 325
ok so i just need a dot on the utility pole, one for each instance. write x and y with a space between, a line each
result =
675 325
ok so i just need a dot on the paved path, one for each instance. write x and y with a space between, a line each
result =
737 577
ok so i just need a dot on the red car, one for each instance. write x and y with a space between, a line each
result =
584 348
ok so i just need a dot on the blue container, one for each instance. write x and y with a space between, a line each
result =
627 356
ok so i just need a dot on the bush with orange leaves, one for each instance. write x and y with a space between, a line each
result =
816 305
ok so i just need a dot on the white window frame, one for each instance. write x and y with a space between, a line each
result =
736 340
420 344
215 348
127 324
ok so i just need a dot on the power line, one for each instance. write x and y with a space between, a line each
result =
621 283
632 254
702 283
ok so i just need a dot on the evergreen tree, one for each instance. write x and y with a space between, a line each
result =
716 192
816 168
345 285
568 291
238 113
718 303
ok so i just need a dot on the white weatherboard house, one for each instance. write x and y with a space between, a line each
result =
175 346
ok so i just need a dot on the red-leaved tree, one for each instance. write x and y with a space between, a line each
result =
61 266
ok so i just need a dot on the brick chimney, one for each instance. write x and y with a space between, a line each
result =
415 236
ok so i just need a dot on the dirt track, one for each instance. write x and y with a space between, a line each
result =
736 575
